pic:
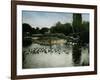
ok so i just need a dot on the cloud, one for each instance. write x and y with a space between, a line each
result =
47 19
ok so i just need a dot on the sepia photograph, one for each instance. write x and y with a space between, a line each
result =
54 39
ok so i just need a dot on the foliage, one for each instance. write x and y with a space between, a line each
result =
44 30
77 22
26 28
61 28
26 31
77 29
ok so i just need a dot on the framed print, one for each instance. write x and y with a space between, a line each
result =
53 39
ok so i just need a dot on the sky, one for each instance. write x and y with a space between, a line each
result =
47 19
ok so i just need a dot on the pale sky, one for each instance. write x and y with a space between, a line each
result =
48 19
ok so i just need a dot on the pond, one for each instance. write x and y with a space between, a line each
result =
49 56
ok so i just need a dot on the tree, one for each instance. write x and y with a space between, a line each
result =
57 28
84 35
37 30
44 30
67 29
62 28
33 31
26 29
85 26
77 22
26 32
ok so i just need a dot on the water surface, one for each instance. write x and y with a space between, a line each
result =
46 56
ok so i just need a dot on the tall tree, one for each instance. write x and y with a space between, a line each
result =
26 31
26 28
77 22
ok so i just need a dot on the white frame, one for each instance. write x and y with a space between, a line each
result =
21 71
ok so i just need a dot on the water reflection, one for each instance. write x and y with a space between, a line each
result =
61 55
76 53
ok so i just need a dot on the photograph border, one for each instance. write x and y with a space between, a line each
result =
14 39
